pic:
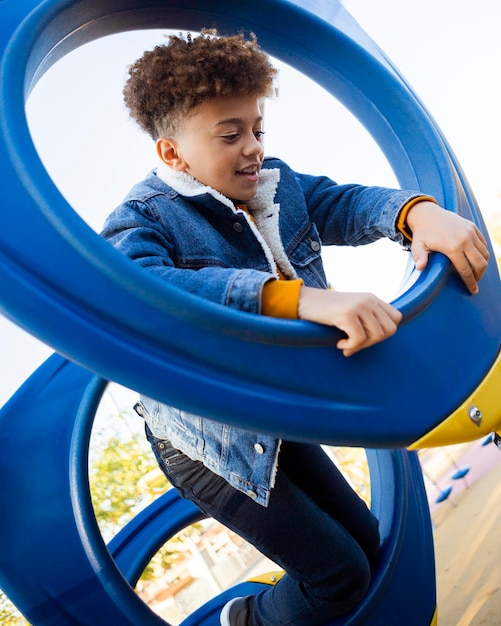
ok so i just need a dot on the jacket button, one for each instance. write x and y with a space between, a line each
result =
315 246
237 227
259 448
252 494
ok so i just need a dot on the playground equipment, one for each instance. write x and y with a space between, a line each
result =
53 562
56 568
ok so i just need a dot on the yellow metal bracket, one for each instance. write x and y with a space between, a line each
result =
479 415
269 578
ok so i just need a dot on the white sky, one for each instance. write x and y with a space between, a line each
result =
449 51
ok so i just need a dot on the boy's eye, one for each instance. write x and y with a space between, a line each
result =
258 134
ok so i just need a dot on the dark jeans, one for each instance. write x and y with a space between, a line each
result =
315 527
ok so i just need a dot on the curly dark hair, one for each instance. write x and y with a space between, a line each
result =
168 82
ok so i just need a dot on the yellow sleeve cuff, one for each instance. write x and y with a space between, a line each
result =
402 226
280 298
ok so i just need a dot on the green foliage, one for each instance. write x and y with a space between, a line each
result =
120 459
9 616
113 481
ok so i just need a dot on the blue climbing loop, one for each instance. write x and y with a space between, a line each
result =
109 320
55 566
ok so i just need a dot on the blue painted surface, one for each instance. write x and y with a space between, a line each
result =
116 314
55 566
53 562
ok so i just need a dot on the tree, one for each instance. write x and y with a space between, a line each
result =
9 615
124 478
114 474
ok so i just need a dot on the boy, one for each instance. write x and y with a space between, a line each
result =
218 219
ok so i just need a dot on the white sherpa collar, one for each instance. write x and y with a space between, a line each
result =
186 185
262 206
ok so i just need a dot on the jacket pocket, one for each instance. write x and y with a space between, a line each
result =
306 258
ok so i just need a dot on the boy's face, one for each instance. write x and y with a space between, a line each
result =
220 144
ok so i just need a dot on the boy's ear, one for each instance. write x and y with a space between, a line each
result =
167 150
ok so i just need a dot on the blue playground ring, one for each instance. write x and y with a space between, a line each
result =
116 315
115 322
56 568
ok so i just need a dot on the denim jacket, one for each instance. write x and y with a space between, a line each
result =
194 237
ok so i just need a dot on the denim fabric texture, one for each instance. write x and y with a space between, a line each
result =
244 460
196 239
208 247
315 527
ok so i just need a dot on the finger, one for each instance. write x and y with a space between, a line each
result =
348 348
481 249
371 329
394 314
420 254
356 337
381 325
480 237
466 273
472 263
478 261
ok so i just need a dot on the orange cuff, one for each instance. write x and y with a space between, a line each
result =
280 298
402 226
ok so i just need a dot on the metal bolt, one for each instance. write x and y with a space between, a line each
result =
475 415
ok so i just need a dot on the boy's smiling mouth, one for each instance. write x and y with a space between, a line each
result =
251 172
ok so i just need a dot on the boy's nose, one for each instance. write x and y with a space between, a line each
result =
253 146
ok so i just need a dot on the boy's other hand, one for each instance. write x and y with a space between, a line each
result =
364 318
435 229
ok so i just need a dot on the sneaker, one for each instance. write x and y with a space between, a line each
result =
235 612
